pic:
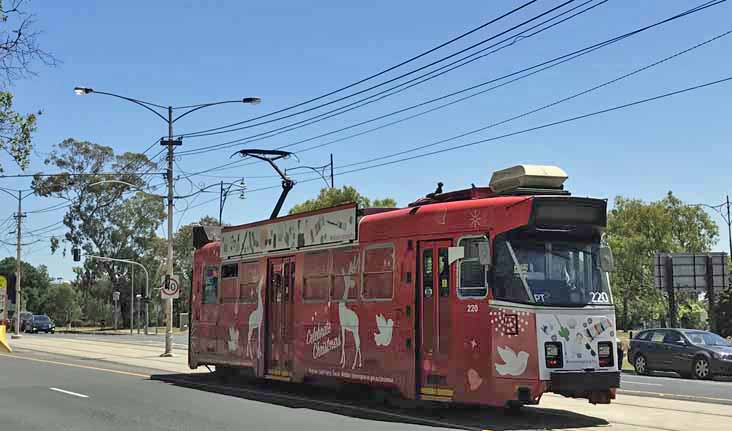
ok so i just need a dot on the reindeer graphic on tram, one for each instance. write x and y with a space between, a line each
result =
489 295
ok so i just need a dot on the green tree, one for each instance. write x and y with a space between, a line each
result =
107 219
724 313
19 51
329 197
35 283
636 231
62 304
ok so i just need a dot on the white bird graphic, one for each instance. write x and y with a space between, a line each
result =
383 337
233 341
514 365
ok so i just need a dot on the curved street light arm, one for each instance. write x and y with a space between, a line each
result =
131 99
206 105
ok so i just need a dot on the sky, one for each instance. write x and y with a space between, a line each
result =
185 52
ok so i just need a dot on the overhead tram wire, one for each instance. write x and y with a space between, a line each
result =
230 144
516 133
522 115
569 56
547 125
229 130
376 75
442 70
552 104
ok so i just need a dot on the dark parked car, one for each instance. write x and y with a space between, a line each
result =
41 323
689 352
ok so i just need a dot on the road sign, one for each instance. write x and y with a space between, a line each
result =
3 290
115 296
691 272
170 288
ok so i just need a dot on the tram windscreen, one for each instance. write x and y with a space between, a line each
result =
557 273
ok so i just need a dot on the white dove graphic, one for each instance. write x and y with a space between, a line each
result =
383 337
233 341
514 365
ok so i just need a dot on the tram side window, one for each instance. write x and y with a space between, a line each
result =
248 282
229 283
316 274
211 285
473 279
346 266
378 272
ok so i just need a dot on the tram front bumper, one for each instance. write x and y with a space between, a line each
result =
597 386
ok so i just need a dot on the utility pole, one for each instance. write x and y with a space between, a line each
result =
332 183
169 301
18 297
729 228
221 201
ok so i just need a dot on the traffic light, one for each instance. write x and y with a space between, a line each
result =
77 254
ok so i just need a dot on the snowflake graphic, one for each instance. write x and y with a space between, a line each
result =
475 218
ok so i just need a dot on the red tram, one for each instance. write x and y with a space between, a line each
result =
489 295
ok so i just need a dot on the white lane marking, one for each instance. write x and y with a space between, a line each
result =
673 396
69 393
639 383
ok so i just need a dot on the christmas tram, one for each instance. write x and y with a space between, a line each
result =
488 295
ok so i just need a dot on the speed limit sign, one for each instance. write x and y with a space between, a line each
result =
170 287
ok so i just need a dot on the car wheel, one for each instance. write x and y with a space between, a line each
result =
701 370
641 365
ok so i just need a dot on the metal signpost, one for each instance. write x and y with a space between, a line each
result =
691 272
115 301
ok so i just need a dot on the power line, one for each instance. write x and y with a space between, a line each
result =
549 105
547 64
78 174
511 134
368 78
543 126
397 88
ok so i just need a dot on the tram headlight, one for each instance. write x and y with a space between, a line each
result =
605 353
553 354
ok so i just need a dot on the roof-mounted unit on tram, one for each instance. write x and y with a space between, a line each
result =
520 180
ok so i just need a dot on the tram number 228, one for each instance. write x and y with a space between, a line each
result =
472 308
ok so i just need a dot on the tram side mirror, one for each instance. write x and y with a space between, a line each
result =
455 253
606 259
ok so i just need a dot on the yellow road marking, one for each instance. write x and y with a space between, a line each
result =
86 367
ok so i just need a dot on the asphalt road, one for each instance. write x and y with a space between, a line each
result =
668 385
47 392
665 385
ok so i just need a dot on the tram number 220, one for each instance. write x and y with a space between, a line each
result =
472 308
600 297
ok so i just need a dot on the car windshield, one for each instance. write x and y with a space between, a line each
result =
41 318
550 273
706 338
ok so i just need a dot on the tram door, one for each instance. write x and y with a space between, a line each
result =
279 343
434 287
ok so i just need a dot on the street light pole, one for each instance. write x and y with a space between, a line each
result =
132 302
152 107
